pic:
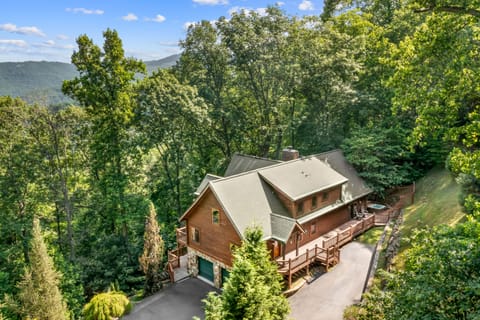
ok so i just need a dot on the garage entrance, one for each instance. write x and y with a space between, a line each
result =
205 269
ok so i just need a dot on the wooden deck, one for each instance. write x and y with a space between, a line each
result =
325 249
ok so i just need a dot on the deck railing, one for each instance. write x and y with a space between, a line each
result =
328 252
327 257
181 237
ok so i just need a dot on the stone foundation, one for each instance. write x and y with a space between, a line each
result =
192 266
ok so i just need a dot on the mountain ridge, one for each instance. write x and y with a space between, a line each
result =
41 81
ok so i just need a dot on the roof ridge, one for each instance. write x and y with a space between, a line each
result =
280 163
257 157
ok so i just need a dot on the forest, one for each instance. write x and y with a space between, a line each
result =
394 83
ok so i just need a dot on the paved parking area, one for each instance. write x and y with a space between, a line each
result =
327 296
181 301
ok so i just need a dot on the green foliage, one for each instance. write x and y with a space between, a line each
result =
108 305
253 289
39 294
151 260
380 155
441 276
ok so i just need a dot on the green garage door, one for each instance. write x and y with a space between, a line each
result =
225 275
205 269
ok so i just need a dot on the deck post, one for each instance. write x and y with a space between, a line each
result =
307 261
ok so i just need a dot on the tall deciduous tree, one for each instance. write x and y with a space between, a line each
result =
39 295
265 73
254 287
151 260
206 64
105 88
171 118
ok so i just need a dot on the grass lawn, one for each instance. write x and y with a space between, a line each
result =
436 202
371 236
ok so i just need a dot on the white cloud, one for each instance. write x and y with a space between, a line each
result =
62 37
280 3
130 17
9 27
211 2
16 43
187 24
85 11
306 6
52 44
158 18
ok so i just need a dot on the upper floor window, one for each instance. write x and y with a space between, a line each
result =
300 207
215 216
195 234
313 228
325 196
314 202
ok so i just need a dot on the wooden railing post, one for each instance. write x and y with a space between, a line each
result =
307 261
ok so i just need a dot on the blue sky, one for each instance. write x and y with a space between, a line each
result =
150 29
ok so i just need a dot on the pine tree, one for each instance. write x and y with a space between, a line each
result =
39 296
152 257
254 287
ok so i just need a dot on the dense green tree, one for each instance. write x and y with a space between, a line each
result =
105 88
436 79
111 237
254 287
381 156
171 119
265 73
39 296
441 276
206 64
151 260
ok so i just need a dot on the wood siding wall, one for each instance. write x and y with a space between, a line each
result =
323 224
334 194
215 239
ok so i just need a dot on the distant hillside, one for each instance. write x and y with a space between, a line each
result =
41 81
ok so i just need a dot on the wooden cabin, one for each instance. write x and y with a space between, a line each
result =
297 203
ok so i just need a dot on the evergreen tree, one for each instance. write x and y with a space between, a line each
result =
254 287
40 297
153 249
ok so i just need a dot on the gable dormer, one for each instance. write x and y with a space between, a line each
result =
304 185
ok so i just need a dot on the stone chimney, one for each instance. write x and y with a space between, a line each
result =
289 154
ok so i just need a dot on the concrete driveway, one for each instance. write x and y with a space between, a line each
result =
181 301
327 296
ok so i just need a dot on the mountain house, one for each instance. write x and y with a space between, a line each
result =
307 208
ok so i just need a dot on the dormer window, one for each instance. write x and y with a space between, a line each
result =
215 216
300 208
325 196
314 202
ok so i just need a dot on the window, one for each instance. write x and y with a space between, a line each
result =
300 207
195 234
313 228
215 216
325 196
314 202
